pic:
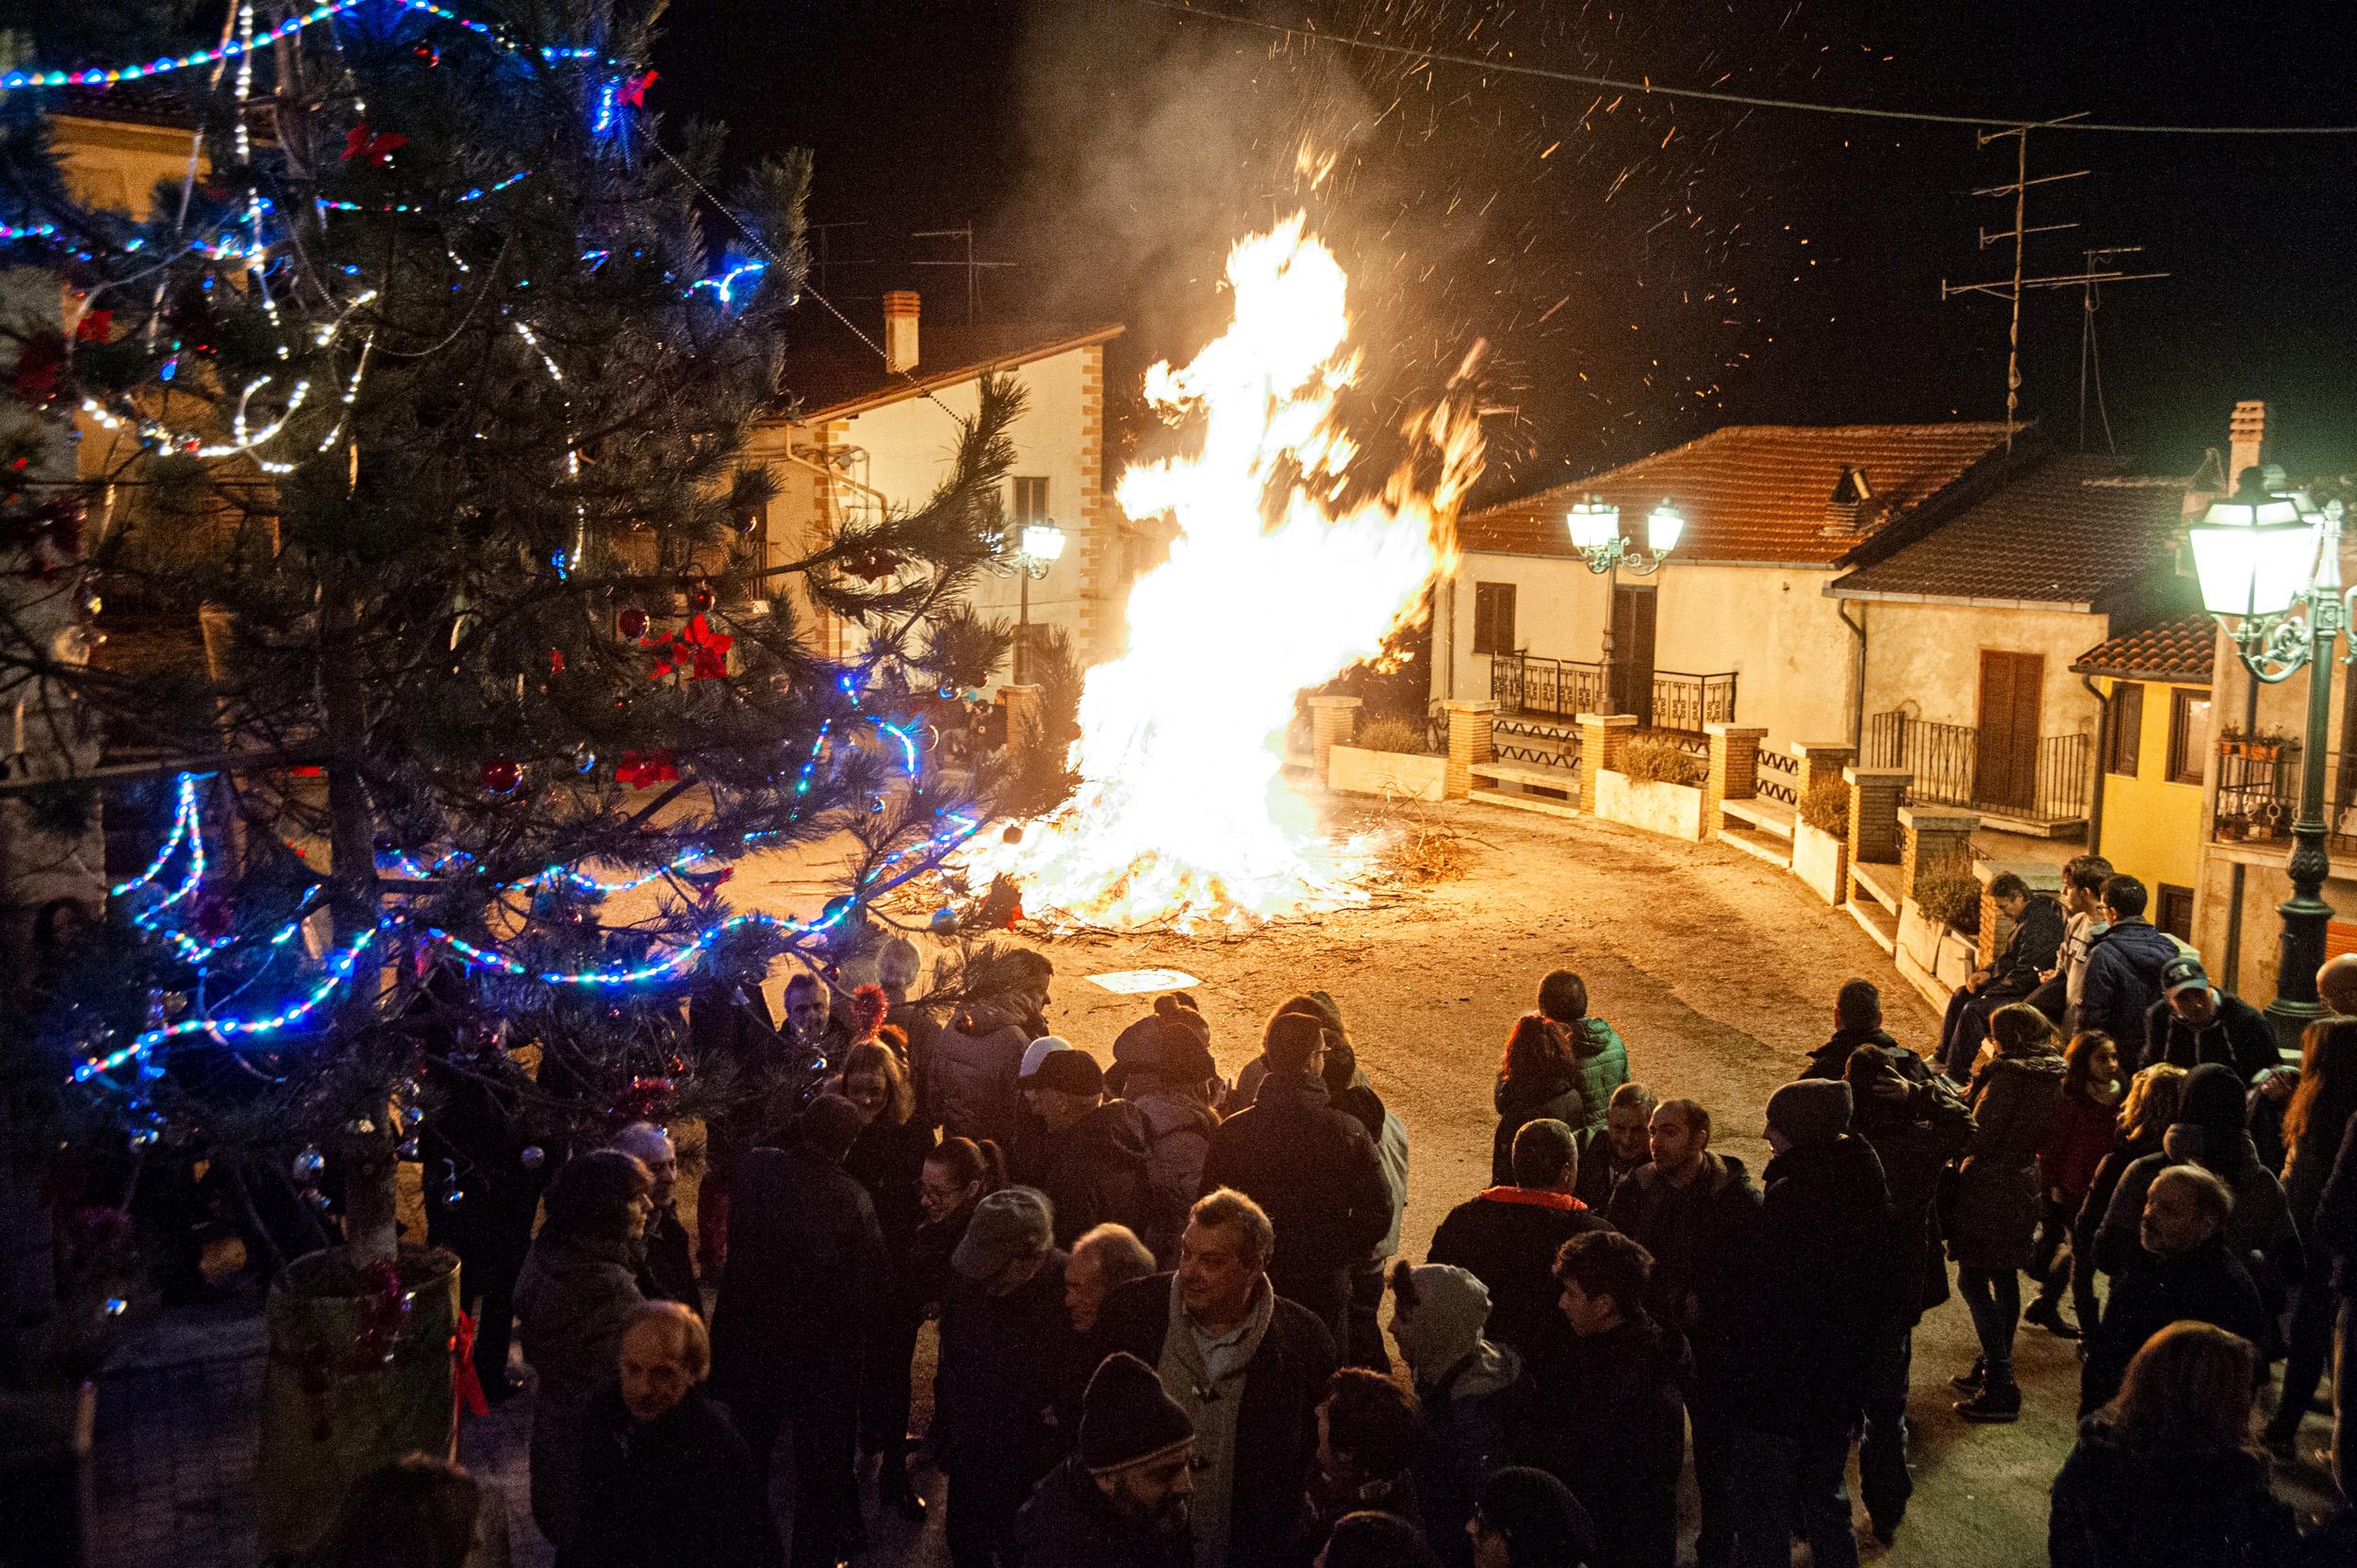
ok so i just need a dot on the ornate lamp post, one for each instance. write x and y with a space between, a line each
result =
1037 548
1595 526
2269 566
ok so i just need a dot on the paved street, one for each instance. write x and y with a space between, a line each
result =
1718 970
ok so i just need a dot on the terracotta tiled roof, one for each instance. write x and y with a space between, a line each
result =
836 382
1759 492
2070 531
2179 650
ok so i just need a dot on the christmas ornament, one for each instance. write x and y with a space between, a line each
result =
427 52
699 593
944 922
1014 834
500 775
533 1158
406 1148
308 1166
313 1196
632 622
584 760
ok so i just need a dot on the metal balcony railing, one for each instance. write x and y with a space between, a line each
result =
1522 682
1945 760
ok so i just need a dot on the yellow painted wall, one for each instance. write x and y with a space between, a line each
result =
2152 828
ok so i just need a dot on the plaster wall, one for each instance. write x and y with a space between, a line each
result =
1926 658
2152 828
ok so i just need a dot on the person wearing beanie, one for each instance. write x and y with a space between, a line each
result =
1466 1386
1168 1076
1814 1281
1006 1340
1311 1167
1121 1500
1993 1226
976 1061
1087 1153
1525 1518
807 1273
1175 1018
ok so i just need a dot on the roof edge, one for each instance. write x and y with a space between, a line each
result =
920 384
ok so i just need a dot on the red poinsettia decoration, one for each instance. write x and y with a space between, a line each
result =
371 146
694 651
40 368
642 770
95 326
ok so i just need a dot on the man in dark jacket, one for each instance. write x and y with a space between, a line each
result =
1089 1154
806 1273
1311 1169
1857 1020
1687 1208
2195 1022
1612 1153
2019 968
1617 1433
664 1478
2336 1234
734 1046
1814 1281
2182 1270
1248 1366
1916 1127
1507 1238
1121 1501
2124 965
977 1060
1006 1344
668 1271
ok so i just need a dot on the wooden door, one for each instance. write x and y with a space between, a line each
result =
2004 769
1632 651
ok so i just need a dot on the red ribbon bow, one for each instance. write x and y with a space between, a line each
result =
371 146
466 1382
634 89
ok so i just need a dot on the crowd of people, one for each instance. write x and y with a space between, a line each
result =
1158 1292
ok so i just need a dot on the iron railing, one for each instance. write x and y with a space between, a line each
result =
1944 760
2258 794
1778 778
1520 683
1533 741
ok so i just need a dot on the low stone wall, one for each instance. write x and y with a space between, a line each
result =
1822 861
1674 811
1355 770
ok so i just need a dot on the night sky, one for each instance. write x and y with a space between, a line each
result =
1642 271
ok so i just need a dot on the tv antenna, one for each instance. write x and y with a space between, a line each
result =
974 269
2098 269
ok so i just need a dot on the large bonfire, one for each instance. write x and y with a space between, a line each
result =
1276 583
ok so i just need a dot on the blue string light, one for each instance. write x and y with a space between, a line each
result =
723 287
102 75
183 818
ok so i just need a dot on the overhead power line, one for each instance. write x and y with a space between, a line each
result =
1652 89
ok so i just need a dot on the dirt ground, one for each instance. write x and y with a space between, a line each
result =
1720 974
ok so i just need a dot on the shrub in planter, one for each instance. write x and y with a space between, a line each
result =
1950 901
1390 734
1826 807
1657 759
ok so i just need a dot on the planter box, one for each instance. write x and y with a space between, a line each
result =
1959 957
1674 811
1352 771
1822 861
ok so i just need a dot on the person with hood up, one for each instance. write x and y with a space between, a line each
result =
2015 1100
1468 1388
2019 968
2182 1271
1089 1156
1610 1156
1616 1430
1857 1020
2209 1132
1815 1279
1509 1238
2163 1475
807 1282
1121 1500
1310 1167
2195 1022
1169 1077
575 1299
2124 965
1916 1128
1688 1209
977 1059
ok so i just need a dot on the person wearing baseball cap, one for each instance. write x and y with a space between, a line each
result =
1121 1500
1005 1345
2195 1022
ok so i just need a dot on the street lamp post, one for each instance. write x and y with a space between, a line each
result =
1595 528
1040 544
2269 566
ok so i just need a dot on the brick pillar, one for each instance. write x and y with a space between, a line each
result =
1024 723
1874 813
1602 738
1333 720
1470 740
2042 876
1935 841
1734 769
1821 760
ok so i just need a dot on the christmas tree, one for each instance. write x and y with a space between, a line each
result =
416 414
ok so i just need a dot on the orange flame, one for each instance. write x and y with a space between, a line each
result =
1184 817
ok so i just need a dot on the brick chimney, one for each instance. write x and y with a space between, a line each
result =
899 339
2246 438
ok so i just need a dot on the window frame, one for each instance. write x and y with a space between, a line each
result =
2123 753
1485 627
1028 486
2169 897
2187 752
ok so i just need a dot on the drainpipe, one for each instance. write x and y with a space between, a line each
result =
2235 883
1857 677
2104 717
